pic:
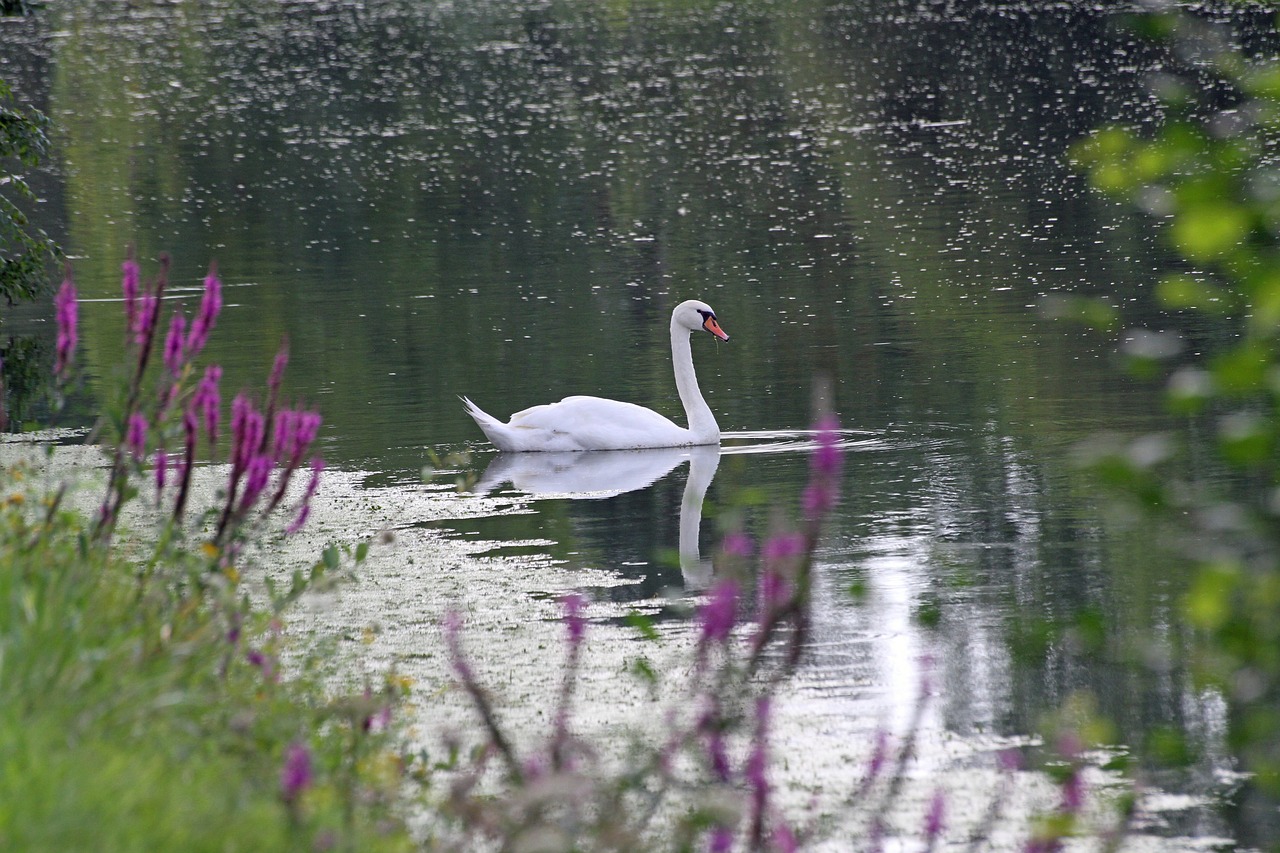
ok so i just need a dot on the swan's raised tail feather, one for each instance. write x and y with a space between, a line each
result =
488 424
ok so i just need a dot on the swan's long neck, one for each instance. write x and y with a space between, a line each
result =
701 422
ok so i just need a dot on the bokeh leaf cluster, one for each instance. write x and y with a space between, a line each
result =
1209 176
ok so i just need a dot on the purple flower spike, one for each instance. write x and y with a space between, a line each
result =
259 473
283 434
717 616
162 470
313 485
574 603
308 428
208 401
277 370
934 819
453 642
721 840
1073 792
148 312
716 752
758 761
136 436
210 306
66 313
826 458
784 840
247 428
819 498
775 591
878 757
295 776
737 544
784 546
129 287
174 349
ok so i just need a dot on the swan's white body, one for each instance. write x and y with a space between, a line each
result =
595 423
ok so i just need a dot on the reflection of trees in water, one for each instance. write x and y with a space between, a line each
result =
570 153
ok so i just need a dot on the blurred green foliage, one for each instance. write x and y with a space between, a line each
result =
1209 175
25 251
143 709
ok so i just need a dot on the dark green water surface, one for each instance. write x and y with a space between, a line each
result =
506 199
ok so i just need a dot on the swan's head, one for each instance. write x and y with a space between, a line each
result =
694 315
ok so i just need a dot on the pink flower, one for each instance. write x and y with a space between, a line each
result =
162 470
933 821
207 401
304 509
826 459
145 319
296 775
136 436
453 642
718 614
737 544
1073 792
283 433
721 840
247 428
173 346
308 428
757 761
878 757
710 725
783 547
574 603
258 473
784 840
277 371
819 498
66 313
210 305
775 591
129 286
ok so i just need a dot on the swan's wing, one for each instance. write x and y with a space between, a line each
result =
597 423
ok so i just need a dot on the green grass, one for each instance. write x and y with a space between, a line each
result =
130 720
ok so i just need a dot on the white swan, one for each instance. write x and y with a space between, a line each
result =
594 423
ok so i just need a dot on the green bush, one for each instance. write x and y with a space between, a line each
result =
25 252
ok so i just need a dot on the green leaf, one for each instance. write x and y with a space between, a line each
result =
644 669
929 613
331 557
1208 602
1242 370
1245 438
643 624
1210 230
1181 292
1169 746
1263 82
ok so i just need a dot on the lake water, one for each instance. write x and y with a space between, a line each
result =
506 199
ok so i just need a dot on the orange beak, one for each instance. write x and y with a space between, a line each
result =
713 327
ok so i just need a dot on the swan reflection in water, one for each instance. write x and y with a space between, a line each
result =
595 475
599 474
